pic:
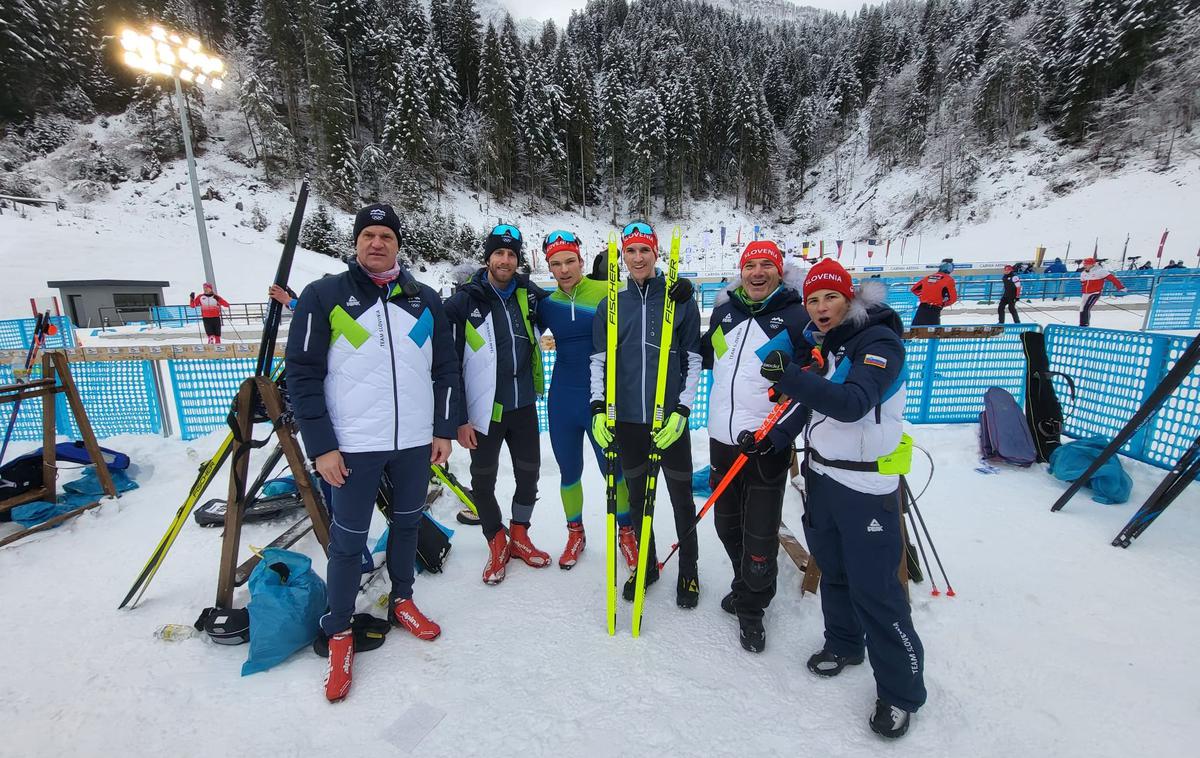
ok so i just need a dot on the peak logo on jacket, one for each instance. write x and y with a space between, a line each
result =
352 302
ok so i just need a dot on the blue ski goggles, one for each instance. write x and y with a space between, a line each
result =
506 230
560 235
637 227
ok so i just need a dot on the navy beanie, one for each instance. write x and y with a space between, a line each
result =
497 239
376 214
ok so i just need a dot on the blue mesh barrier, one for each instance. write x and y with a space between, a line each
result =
120 397
1175 304
947 378
174 315
16 333
29 416
204 392
1114 371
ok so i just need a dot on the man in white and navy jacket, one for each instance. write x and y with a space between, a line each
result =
374 382
757 314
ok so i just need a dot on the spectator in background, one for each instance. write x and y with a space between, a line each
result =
1011 294
1147 266
1092 279
934 292
210 305
1056 267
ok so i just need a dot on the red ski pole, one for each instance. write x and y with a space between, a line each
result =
768 423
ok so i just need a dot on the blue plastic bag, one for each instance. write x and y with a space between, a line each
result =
1110 485
32 514
702 482
89 483
284 615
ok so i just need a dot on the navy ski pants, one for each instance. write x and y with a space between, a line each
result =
351 509
855 538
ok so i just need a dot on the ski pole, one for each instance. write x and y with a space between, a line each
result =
906 504
42 327
776 413
929 539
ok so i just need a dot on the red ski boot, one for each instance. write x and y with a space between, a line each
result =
520 546
575 542
337 672
407 615
493 570
627 544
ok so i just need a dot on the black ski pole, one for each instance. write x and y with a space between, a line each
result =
928 538
1180 371
917 535
1172 485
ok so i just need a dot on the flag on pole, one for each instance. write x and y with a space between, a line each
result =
804 249
887 250
820 248
839 246
1162 243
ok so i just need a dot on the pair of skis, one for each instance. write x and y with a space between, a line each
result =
209 469
659 417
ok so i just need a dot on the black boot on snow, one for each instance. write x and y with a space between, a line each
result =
889 721
753 636
467 516
828 664
631 582
687 590
727 604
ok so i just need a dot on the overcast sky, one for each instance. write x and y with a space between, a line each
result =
560 10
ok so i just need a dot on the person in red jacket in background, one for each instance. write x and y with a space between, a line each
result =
1091 280
210 305
934 292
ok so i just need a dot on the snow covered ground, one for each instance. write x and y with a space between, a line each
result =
1056 645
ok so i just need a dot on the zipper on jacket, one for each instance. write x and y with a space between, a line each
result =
642 292
512 339
737 362
395 389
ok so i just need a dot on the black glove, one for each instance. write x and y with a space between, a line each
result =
681 291
191 296
597 406
749 446
775 365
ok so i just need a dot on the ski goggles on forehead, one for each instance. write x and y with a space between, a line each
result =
506 230
560 235
637 227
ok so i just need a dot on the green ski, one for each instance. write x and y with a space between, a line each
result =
610 453
655 459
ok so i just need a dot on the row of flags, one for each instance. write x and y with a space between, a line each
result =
837 247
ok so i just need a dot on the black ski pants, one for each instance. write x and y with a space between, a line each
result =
1011 305
351 509
927 315
633 445
1085 308
855 538
747 516
518 429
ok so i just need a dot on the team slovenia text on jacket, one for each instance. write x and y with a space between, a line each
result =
739 337
936 289
371 369
858 404
1092 281
498 346
210 305
639 326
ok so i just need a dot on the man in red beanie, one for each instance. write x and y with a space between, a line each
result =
852 511
756 315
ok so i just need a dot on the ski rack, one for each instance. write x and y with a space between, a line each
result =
252 391
56 379
952 332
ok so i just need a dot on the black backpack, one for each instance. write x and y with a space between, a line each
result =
18 476
1042 410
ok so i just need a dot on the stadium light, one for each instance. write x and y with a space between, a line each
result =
163 53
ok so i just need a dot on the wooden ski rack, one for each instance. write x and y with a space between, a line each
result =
952 332
56 379
262 389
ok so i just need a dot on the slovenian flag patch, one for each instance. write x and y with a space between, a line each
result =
878 361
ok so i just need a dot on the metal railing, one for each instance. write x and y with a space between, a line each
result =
165 316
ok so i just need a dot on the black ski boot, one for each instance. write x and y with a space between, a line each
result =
631 582
753 636
889 721
467 516
828 664
727 604
687 590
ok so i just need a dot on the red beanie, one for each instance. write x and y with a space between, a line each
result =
828 274
637 235
765 250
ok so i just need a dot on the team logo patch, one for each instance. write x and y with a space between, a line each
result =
476 314
874 526
878 361
377 214
728 318
353 301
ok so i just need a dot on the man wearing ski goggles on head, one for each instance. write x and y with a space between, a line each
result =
568 314
493 317
639 334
